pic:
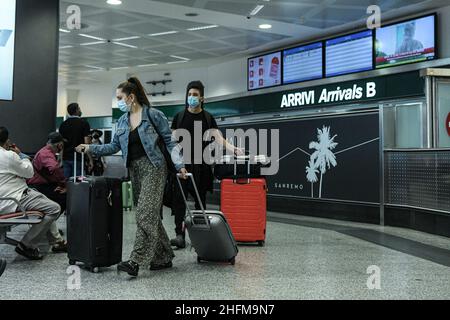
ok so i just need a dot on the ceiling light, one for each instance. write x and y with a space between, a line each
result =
173 62
203 28
125 45
65 47
256 10
147 65
129 38
153 51
181 58
91 37
94 67
119 68
114 2
265 26
162 33
92 43
64 30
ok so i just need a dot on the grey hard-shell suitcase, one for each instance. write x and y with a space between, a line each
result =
209 232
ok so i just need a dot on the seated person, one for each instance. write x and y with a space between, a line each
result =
49 176
15 167
49 179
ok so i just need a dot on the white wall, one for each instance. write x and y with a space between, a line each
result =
219 80
95 99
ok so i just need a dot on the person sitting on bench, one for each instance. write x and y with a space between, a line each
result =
49 179
15 167
49 176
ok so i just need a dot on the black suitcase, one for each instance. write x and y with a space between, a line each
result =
94 222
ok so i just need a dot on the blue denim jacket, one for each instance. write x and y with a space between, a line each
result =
149 137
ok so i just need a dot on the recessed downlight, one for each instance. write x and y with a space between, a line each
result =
114 2
265 26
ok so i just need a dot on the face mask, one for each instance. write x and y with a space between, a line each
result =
123 106
193 102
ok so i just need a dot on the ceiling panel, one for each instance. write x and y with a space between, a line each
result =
240 8
237 38
219 32
146 28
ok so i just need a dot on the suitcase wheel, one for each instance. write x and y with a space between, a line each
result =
261 243
93 269
72 262
233 261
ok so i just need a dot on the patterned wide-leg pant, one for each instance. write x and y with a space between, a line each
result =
152 245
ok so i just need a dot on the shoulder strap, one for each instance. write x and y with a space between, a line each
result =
208 117
153 123
180 118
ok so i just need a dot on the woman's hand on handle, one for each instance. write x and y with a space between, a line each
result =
82 148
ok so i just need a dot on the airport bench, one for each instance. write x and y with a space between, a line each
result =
11 220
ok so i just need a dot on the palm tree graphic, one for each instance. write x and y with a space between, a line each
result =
323 156
311 175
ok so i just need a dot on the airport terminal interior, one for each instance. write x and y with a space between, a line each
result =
331 137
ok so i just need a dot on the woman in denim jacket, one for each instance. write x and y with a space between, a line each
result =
137 137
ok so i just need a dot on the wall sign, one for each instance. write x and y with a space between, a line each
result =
395 86
329 95
329 158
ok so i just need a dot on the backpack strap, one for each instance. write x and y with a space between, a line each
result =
208 117
180 118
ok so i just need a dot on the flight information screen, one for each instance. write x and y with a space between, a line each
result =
303 63
349 54
406 42
7 28
264 71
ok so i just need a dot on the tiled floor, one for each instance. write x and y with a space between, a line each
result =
304 258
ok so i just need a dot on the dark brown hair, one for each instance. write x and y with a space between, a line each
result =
134 86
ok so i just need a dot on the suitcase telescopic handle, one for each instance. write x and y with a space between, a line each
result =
191 176
75 166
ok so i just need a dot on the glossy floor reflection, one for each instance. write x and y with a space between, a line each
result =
304 258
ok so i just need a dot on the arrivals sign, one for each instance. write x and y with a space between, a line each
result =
389 87
338 94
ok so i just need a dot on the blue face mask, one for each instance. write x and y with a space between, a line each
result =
193 102
123 106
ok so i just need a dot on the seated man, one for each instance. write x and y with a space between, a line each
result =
15 167
49 179
49 176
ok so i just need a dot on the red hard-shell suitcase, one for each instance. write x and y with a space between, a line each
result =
244 204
